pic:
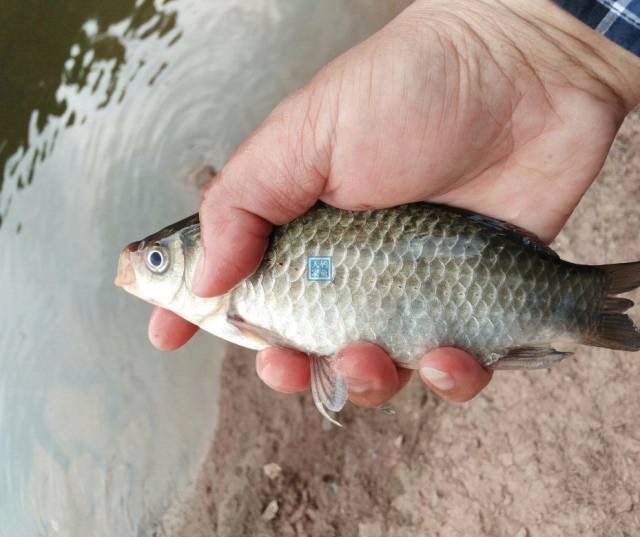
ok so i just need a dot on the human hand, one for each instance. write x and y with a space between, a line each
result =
507 108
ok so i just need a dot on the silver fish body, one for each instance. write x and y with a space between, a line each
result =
413 279
410 279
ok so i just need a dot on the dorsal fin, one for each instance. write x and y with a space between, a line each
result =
509 231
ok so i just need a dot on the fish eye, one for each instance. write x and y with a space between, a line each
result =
157 259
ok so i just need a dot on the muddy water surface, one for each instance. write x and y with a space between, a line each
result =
108 109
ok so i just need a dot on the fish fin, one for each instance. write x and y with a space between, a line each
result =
508 230
529 358
615 304
623 277
328 387
612 328
386 408
614 331
263 337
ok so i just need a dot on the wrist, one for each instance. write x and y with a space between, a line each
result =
539 36
602 60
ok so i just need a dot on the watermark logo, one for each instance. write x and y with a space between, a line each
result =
319 268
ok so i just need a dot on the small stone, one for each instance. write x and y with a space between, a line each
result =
271 510
331 481
272 470
522 532
399 440
370 529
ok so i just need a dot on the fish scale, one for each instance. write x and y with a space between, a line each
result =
408 278
459 285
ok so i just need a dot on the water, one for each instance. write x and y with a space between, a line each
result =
108 111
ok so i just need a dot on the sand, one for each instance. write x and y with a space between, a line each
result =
544 453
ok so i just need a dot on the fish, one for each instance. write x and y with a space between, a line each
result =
409 278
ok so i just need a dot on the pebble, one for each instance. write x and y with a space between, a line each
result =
271 510
272 470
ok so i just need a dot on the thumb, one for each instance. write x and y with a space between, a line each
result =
276 175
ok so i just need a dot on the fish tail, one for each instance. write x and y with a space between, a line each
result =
623 277
613 329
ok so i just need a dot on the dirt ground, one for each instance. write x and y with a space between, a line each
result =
546 453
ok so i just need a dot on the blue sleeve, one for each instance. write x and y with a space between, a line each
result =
618 20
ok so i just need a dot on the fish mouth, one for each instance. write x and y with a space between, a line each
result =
125 276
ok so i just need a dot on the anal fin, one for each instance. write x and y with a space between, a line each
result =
328 387
529 358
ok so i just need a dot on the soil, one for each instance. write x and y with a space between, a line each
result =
543 453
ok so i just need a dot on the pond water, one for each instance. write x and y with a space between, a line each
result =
109 109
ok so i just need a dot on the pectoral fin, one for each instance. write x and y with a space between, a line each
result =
259 337
529 358
328 387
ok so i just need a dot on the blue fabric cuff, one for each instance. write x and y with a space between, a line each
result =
617 20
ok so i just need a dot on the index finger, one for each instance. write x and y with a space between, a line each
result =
167 331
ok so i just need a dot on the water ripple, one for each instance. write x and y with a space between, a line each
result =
94 436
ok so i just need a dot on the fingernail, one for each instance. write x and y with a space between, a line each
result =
270 375
358 386
439 379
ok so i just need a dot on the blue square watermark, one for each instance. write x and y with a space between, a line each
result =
319 268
